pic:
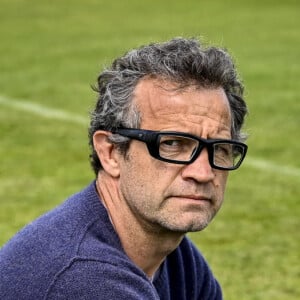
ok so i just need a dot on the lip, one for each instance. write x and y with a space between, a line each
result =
193 197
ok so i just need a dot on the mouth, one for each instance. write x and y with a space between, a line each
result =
195 198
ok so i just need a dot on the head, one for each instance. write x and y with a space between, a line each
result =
182 61
174 86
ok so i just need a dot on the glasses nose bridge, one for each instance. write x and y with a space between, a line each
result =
200 167
202 144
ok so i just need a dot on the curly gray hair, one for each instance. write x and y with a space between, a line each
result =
182 61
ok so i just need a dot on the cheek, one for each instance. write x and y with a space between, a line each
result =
145 177
147 166
220 182
136 174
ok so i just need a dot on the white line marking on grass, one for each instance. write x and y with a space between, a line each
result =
269 166
56 114
43 111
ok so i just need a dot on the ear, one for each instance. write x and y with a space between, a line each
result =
107 153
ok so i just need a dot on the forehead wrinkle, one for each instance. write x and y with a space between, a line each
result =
197 119
173 110
201 128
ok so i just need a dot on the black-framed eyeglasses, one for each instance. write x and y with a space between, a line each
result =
183 148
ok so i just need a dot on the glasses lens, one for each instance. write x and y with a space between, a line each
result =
227 155
175 147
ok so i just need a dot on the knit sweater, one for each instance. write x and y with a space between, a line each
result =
73 252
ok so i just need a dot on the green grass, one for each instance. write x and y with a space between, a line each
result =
52 51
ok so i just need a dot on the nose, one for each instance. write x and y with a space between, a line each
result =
199 170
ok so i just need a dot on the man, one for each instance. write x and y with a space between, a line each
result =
165 132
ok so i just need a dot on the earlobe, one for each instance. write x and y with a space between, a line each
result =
107 153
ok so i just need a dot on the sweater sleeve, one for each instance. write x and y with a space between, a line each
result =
93 279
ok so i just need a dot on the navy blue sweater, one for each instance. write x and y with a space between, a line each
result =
73 252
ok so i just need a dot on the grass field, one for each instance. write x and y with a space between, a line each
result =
52 51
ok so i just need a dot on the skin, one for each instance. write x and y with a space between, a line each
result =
151 203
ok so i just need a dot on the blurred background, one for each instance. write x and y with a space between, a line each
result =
51 52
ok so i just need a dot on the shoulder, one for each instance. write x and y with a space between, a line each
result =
31 259
110 278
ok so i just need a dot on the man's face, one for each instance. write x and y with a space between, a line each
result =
167 196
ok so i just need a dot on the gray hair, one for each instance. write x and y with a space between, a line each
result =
182 61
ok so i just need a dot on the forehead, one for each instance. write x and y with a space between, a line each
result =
163 106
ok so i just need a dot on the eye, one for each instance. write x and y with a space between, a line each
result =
171 142
177 147
223 149
176 143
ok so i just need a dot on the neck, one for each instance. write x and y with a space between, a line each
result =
145 246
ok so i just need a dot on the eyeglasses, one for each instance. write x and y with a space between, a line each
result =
183 148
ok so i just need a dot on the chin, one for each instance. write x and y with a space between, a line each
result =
193 223
183 223
197 227
188 227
